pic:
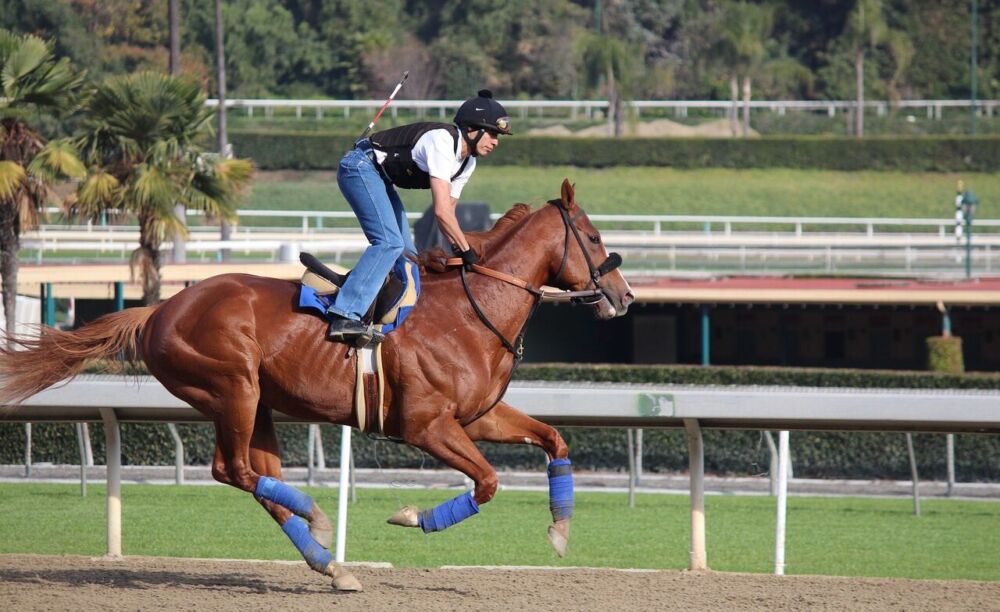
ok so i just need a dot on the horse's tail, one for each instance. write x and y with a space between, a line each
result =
29 365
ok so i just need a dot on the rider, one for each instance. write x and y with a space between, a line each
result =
427 155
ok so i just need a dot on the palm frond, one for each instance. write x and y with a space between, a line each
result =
99 192
30 53
12 177
153 191
56 161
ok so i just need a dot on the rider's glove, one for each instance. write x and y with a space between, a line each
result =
468 257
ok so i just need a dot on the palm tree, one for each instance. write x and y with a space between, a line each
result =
609 60
866 28
31 80
140 141
744 34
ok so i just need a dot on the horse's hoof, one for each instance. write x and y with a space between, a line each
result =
320 528
343 580
559 537
408 516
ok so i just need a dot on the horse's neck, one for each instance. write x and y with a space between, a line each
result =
525 252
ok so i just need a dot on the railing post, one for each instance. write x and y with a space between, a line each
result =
112 435
698 557
342 494
782 506
178 454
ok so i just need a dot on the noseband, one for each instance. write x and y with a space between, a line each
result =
586 296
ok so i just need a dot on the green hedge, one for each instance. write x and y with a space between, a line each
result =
322 151
944 354
815 455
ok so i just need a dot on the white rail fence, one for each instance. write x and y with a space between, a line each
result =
932 109
651 243
112 400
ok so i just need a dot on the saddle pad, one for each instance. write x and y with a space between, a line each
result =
318 294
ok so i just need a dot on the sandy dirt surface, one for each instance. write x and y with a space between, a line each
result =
35 582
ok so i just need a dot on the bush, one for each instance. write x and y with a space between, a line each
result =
322 151
944 354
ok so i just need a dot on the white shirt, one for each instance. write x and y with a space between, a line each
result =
436 154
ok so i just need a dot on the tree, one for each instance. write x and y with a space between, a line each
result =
33 81
745 31
866 29
610 59
140 140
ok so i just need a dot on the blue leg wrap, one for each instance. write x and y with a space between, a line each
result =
315 555
278 492
561 489
448 513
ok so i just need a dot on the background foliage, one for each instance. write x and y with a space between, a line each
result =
348 49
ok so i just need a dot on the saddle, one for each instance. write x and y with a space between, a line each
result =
394 301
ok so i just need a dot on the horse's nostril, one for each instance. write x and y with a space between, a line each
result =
628 299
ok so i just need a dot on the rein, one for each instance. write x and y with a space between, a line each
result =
586 296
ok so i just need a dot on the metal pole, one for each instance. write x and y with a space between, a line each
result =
27 450
345 468
968 243
83 460
112 435
773 467
698 557
631 467
950 460
320 455
119 296
310 452
913 474
354 487
638 457
178 454
779 528
706 336
973 76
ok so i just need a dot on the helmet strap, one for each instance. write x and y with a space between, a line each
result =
473 142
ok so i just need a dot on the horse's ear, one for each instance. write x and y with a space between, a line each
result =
568 194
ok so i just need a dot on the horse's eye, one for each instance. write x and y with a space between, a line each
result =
596 239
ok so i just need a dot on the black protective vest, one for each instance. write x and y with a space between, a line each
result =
397 144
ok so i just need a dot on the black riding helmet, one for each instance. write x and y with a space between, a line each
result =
482 113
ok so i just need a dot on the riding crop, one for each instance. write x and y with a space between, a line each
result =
399 86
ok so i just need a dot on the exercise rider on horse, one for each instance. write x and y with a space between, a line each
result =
427 155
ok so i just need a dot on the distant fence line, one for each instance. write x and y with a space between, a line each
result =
585 108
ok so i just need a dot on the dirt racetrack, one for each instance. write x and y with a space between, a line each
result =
36 582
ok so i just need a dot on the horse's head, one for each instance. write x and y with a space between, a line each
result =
583 263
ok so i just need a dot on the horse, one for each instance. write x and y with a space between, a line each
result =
236 347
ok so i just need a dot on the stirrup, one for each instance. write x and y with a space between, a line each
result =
354 333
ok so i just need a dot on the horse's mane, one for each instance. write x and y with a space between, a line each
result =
432 260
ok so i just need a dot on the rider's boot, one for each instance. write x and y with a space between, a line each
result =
353 332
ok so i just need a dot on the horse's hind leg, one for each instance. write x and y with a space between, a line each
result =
265 459
508 425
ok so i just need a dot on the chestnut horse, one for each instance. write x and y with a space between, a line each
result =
236 347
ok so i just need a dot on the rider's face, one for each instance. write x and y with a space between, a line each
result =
487 143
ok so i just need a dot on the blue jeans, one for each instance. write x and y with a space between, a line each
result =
383 220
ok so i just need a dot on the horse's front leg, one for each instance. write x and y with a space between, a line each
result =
511 426
445 440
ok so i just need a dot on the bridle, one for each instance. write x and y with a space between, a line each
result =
585 296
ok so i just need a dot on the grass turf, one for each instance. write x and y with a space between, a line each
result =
835 536
780 192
